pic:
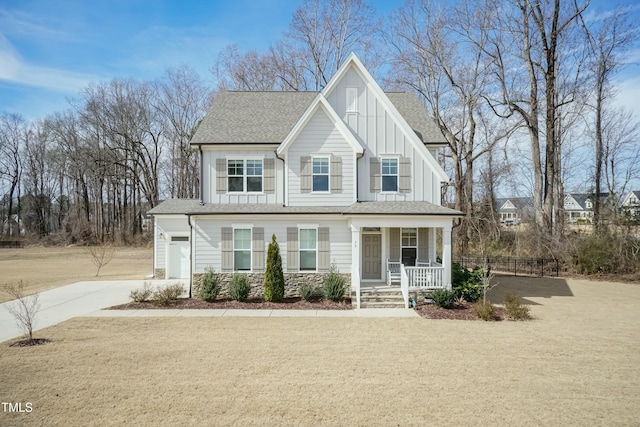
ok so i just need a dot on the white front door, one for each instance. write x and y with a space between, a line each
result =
178 262
371 256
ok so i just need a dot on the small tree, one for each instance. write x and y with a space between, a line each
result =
274 277
24 308
100 255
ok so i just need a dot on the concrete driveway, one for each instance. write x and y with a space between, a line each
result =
78 299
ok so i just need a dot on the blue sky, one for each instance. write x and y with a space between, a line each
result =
50 49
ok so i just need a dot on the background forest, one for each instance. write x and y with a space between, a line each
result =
523 90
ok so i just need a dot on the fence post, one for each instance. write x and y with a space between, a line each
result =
542 268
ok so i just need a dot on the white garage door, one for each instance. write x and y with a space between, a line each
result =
178 258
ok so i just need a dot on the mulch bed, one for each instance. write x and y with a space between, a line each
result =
458 312
30 343
252 304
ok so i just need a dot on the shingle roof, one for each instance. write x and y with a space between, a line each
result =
193 207
267 117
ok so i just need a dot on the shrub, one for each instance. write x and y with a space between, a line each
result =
168 294
484 310
514 307
333 286
143 294
209 286
239 287
307 291
468 284
443 298
273 277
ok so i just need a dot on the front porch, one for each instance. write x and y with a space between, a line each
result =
400 256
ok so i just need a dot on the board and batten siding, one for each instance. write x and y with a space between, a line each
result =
166 227
381 135
208 238
214 158
320 137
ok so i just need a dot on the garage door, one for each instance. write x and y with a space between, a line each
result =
178 258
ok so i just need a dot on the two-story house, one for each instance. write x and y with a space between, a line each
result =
346 177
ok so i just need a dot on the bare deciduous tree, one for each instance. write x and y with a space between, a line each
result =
24 308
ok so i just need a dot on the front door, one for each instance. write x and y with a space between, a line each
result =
371 256
178 258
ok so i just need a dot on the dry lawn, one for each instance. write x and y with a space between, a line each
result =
578 363
46 268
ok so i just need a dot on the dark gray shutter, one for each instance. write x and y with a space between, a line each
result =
394 237
226 249
336 174
324 257
269 176
405 175
375 177
221 175
423 244
293 256
257 249
305 174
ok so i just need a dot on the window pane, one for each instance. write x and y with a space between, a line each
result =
389 166
321 183
235 167
389 183
409 237
254 167
242 260
242 238
307 260
321 165
254 183
307 239
235 184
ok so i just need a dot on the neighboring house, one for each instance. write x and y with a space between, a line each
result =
514 210
345 177
578 207
630 205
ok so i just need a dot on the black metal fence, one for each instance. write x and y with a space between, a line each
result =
11 243
513 265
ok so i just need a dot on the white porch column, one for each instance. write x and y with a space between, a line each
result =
355 262
432 244
446 253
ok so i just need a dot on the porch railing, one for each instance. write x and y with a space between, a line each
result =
425 277
404 285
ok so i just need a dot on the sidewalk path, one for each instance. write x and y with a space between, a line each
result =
88 298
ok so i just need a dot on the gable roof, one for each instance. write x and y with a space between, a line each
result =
268 117
627 199
518 203
321 103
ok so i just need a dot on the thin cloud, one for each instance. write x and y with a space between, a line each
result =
15 70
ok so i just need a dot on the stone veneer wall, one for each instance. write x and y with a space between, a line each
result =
160 273
292 282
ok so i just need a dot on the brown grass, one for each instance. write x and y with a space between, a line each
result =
575 364
46 268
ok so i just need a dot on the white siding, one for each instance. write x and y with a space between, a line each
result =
320 137
164 228
208 236
379 133
209 179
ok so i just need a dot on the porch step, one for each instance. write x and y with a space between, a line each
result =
381 297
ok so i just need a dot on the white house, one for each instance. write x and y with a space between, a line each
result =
346 176
630 205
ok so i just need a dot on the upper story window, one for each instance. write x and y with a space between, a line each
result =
588 204
308 249
389 172
352 99
242 249
244 176
320 174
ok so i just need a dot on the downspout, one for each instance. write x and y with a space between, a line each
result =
284 187
191 243
201 176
